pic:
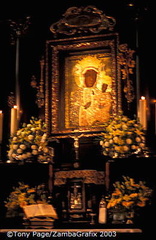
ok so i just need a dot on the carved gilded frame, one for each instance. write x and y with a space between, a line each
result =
64 55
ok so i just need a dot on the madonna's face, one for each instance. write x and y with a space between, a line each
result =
90 78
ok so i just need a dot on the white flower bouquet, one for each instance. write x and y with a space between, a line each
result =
123 137
29 142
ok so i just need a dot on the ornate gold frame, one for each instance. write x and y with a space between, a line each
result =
58 79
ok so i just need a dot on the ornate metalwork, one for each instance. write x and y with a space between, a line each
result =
40 88
127 63
88 176
83 20
19 28
11 100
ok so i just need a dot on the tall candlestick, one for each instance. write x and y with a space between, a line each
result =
143 112
1 125
13 126
18 29
17 82
154 116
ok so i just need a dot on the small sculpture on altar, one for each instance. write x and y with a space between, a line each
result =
76 198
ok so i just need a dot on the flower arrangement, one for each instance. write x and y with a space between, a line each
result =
123 137
129 195
29 141
23 195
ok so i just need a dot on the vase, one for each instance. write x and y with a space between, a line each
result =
118 216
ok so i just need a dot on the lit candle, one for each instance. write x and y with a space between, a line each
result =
155 115
143 112
13 126
1 125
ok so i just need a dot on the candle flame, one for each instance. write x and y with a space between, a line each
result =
142 97
15 106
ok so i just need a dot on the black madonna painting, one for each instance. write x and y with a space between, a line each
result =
82 84
88 90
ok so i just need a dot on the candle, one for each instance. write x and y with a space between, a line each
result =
13 126
143 112
155 115
1 125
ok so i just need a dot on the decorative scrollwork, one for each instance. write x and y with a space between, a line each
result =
19 28
127 63
89 176
11 100
40 88
83 20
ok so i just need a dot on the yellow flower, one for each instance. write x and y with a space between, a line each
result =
113 202
30 137
29 154
21 197
138 139
31 190
33 147
34 152
24 195
127 204
15 146
117 148
33 129
133 195
142 145
129 141
124 127
138 132
125 119
22 146
14 139
106 144
125 148
22 204
129 133
117 192
115 139
141 204
128 194
19 151
120 141
126 197
45 149
143 199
